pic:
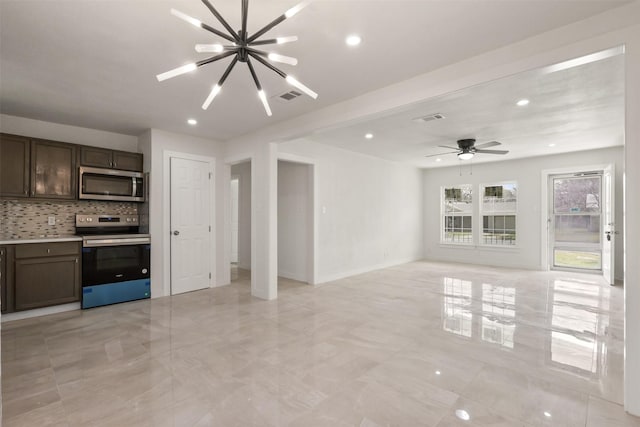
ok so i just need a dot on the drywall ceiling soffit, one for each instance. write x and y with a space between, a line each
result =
93 64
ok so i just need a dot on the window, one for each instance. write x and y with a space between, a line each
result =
498 211
457 210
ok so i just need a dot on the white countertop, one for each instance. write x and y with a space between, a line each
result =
43 239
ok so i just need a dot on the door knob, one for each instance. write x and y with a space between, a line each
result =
175 233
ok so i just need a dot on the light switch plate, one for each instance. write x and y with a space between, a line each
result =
51 220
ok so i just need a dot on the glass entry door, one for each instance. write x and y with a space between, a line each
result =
575 221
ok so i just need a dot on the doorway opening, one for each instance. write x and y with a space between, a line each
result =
581 222
295 223
240 205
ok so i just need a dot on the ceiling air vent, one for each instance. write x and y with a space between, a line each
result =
288 96
429 118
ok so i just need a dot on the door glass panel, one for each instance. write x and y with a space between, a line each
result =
576 194
577 228
576 222
577 259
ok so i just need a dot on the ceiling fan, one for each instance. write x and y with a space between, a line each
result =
467 148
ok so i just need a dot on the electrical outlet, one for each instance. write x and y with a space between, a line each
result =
52 220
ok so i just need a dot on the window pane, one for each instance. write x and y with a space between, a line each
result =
510 222
499 222
501 198
457 205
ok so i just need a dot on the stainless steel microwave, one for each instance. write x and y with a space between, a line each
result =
110 184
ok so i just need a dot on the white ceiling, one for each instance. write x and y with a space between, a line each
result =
93 63
578 108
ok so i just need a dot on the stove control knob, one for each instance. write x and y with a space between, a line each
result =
134 219
81 219
128 219
89 219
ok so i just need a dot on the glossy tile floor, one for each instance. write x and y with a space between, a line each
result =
422 344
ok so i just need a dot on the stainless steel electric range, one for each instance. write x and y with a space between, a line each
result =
115 259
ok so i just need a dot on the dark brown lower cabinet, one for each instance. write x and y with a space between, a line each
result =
46 274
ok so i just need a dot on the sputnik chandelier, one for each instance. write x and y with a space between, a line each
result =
242 47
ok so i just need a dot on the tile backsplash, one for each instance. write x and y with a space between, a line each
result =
24 219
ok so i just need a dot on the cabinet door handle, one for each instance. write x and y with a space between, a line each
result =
26 193
48 251
76 260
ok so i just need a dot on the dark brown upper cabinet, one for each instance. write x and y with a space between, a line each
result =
53 169
112 159
14 166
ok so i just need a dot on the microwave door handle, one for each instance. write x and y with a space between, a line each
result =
134 187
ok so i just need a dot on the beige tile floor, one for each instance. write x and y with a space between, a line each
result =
422 344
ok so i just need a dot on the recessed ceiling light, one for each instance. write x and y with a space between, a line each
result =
353 40
368 135
552 145
438 372
547 414
438 160
192 122
522 102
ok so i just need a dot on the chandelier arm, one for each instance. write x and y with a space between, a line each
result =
245 12
215 58
266 64
217 32
266 28
253 74
227 71
219 17
262 42
257 52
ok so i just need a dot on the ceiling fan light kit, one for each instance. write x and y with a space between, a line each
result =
243 47
467 148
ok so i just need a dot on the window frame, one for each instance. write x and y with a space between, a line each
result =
482 213
444 214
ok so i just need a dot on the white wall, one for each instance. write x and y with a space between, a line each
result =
243 171
293 220
527 173
369 210
154 144
65 133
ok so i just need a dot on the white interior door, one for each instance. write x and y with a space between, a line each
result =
608 221
190 225
235 187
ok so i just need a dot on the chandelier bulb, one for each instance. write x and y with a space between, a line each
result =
216 48
295 9
212 94
283 59
265 103
176 72
186 18
293 82
289 39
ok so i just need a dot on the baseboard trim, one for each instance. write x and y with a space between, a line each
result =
344 274
37 312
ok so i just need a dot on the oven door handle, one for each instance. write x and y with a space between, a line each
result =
92 243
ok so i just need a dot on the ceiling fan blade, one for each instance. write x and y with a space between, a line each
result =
442 154
492 151
448 146
488 144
